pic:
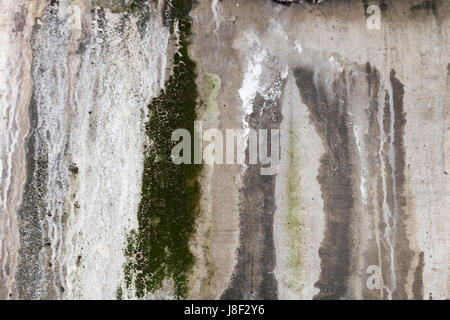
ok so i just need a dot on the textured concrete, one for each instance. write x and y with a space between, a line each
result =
362 179
359 206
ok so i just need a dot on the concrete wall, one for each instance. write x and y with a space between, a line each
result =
358 207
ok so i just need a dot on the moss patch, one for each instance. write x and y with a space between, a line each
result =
159 249
119 293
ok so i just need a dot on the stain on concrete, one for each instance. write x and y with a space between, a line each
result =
344 104
328 112
35 275
253 276
417 287
372 254
425 5
403 252
19 21
29 274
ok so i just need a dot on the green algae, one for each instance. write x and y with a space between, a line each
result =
159 248
210 91
119 293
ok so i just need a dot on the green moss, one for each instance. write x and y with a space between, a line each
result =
211 86
159 249
119 293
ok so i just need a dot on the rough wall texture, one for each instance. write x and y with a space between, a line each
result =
358 207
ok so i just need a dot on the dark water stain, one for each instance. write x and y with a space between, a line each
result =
417 287
19 21
403 253
393 197
372 143
373 82
29 275
393 157
253 277
328 113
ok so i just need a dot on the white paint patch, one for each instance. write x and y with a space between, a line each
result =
360 147
216 15
335 65
272 91
250 84
76 17
298 46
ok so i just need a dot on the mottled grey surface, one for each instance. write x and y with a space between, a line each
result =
253 277
363 179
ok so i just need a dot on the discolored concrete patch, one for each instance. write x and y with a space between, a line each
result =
329 114
399 204
253 277
418 279
364 176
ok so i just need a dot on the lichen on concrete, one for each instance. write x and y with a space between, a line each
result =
159 248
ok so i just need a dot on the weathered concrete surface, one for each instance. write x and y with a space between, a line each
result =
94 72
363 180
17 19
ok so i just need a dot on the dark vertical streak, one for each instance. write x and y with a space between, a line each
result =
328 112
374 208
417 287
29 275
35 277
403 253
253 275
